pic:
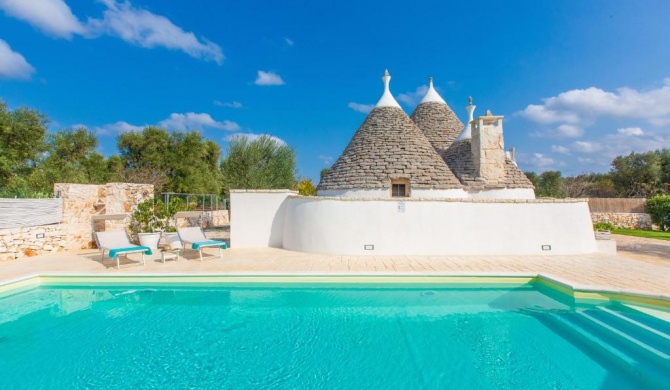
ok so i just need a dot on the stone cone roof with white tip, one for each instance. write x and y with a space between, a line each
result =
424 149
388 145
436 120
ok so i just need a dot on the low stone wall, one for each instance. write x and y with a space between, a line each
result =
80 202
216 218
624 220
31 241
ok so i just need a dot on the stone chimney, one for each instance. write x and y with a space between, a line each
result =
488 151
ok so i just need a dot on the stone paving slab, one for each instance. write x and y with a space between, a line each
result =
644 249
611 272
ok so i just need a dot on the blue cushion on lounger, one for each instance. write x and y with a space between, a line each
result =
197 245
117 251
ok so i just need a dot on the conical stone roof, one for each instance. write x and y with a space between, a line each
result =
388 145
436 119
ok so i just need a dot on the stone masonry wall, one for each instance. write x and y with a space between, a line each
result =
624 220
209 219
80 202
488 151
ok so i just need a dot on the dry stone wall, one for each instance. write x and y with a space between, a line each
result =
80 202
624 220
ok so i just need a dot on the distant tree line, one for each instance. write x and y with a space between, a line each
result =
642 175
32 159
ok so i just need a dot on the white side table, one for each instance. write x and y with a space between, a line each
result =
167 254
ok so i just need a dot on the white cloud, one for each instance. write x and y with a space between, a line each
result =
630 131
560 149
228 104
12 64
143 28
289 41
562 131
577 105
541 161
176 121
53 17
115 128
571 131
586 146
134 25
364 108
252 137
413 98
192 120
622 144
585 160
541 114
327 160
268 78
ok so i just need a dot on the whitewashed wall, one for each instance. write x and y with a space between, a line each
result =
413 227
505 193
257 217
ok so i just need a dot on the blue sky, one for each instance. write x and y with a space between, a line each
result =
579 82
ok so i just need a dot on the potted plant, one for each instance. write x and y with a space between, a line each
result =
165 214
146 225
603 230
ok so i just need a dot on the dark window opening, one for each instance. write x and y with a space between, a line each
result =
398 190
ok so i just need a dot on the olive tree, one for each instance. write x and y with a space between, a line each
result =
260 163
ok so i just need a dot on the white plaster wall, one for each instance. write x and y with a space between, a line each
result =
437 194
257 217
342 226
503 193
456 193
357 193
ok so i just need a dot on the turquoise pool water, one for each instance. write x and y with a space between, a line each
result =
288 338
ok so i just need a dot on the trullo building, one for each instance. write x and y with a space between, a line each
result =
428 155
424 184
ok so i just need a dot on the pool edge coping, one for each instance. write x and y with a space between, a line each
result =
578 292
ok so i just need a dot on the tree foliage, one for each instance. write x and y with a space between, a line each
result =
71 158
22 143
638 174
635 175
659 208
547 184
306 187
175 162
258 163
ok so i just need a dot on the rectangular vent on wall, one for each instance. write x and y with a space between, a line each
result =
369 247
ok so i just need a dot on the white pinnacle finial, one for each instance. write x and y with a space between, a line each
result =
387 100
432 95
466 133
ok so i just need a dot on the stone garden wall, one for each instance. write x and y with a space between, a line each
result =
626 213
624 220
80 202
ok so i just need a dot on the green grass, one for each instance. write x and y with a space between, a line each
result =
643 233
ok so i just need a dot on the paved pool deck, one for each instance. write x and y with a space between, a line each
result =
636 268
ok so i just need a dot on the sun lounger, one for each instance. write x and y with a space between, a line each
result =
194 238
118 244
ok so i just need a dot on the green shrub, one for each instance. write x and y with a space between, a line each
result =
603 226
659 208
155 216
25 193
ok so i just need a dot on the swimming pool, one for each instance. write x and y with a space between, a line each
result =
488 336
